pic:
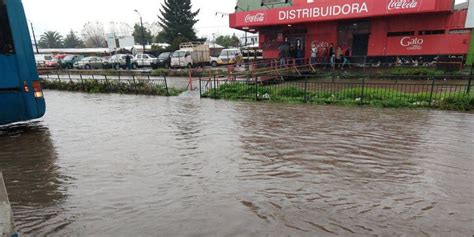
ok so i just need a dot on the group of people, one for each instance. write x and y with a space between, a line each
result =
335 57
287 51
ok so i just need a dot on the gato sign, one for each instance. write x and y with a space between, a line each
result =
412 43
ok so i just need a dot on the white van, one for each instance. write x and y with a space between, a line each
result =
41 59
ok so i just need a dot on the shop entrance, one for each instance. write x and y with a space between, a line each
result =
354 35
360 45
297 49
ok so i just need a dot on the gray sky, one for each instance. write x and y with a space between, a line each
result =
64 15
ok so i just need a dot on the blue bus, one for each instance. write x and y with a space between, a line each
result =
21 96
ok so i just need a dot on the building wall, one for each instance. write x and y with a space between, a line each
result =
454 41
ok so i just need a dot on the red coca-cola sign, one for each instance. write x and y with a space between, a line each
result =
400 5
259 17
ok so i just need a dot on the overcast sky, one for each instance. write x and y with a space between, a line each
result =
64 15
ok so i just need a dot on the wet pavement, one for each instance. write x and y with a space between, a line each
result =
119 165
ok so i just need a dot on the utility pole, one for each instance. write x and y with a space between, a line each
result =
143 30
34 37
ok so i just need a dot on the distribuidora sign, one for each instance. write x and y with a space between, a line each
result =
323 10
470 15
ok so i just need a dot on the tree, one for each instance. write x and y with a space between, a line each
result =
138 34
50 40
178 20
72 41
93 34
228 41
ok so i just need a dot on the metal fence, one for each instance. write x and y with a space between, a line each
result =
132 81
408 91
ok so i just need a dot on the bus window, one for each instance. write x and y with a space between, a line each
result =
6 39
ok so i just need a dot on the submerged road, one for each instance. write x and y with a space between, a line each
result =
121 165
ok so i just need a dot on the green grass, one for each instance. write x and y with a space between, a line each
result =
95 86
351 96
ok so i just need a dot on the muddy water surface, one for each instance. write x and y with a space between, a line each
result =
114 165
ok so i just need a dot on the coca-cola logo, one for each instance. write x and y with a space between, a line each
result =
412 43
402 4
259 17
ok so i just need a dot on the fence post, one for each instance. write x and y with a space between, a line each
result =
365 62
166 86
468 91
215 88
200 87
82 82
432 90
363 92
256 88
134 84
306 89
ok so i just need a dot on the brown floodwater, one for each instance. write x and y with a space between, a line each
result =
120 165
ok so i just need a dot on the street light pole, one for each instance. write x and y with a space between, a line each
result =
34 37
143 30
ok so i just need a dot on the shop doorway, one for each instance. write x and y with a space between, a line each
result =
360 45
297 49
354 35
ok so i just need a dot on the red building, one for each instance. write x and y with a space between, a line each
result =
373 28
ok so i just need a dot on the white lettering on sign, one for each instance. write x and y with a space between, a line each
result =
259 17
412 43
335 10
402 4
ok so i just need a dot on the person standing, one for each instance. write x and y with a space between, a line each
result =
128 62
332 56
347 55
339 55
283 51
314 53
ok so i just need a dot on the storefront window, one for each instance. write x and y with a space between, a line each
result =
6 39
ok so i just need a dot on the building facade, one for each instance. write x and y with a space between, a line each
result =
370 28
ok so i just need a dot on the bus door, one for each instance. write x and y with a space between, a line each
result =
10 89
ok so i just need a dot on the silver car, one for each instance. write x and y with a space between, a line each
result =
89 63
120 61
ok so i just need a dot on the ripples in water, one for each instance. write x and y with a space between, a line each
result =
138 165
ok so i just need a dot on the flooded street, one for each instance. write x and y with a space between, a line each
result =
116 165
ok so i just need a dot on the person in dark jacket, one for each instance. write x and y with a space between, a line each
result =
128 61
346 58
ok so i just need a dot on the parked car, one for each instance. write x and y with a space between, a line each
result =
229 56
146 60
89 63
214 61
69 60
119 61
42 59
164 60
181 58
53 63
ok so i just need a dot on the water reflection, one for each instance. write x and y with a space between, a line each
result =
35 184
